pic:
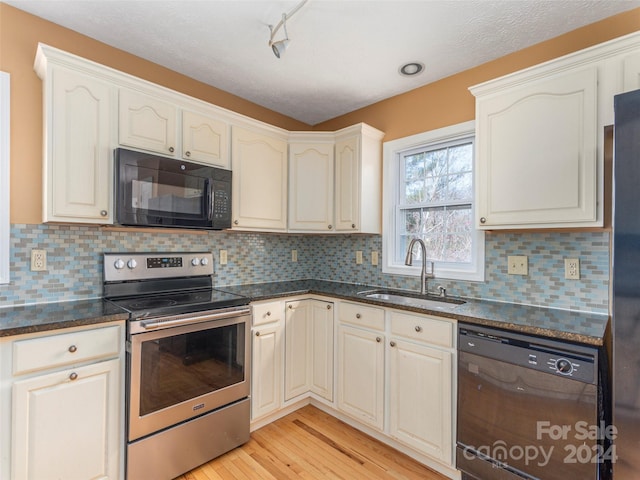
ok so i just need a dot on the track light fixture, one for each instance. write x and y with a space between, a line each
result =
280 46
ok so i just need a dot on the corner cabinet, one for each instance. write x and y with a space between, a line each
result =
259 165
66 405
77 163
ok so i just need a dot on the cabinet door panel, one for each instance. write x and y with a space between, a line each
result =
205 139
347 184
361 375
147 123
537 153
259 181
65 428
297 350
80 167
266 380
311 187
322 349
420 398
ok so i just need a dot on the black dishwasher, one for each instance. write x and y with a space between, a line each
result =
529 408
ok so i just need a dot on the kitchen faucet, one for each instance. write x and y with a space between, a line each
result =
423 274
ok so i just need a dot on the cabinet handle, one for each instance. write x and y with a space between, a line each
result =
353 225
171 149
483 220
73 349
73 376
235 222
418 328
330 227
257 334
103 213
358 315
378 339
187 153
328 307
393 344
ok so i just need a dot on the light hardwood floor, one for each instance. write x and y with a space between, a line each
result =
310 444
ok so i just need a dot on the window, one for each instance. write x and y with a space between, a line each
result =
428 180
4 177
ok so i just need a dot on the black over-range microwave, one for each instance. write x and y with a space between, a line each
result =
156 191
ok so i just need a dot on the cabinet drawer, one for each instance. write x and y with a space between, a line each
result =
267 313
362 315
66 348
425 329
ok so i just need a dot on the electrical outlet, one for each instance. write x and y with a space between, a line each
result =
359 257
38 260
572 268
294 255
517 265
374 258
223 257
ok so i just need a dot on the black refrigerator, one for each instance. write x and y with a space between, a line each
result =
626 286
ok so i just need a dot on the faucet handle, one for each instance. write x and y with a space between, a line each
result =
442 290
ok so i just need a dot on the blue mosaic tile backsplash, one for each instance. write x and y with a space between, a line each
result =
74 263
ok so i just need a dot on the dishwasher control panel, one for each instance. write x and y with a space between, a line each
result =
557 358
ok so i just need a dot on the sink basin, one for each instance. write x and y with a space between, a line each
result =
412 299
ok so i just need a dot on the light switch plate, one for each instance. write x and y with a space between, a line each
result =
518 265
223 257
359 257
374 257
294 255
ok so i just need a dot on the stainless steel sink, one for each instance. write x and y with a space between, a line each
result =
413 299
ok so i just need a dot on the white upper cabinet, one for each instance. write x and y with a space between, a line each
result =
77 164
147 123
311 185
205 139
536 146
259 164
540 138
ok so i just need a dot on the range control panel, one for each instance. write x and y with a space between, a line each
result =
145 266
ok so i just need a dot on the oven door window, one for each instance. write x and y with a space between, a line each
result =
178 368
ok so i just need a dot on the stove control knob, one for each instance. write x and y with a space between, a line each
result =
195 262
204 262
132 264
564 366
119 264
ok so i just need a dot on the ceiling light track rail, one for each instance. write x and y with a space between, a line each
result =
280 46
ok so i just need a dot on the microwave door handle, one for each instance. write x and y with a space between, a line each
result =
208 185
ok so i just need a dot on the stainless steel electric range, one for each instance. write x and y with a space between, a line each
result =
187 374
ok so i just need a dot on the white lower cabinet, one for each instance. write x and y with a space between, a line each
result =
361 375
420 403
267 359
62 395
309 348
66 424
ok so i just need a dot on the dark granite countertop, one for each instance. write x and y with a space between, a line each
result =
52 316
579 327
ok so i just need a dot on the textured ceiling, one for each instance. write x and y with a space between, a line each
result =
343 55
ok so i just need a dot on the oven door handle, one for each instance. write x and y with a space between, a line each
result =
190 319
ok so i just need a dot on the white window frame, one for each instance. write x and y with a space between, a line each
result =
391 172
5 93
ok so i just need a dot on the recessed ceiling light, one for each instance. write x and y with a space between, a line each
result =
410 69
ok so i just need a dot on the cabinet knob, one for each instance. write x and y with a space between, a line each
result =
73 376
73 349
290 307
330 227
358 315
418 328
378 339
104 213
268 314
257 334
393 344
483 220
353 225
235 222
328 307
187 154
171 149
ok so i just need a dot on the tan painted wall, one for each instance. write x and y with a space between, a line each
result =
442 103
